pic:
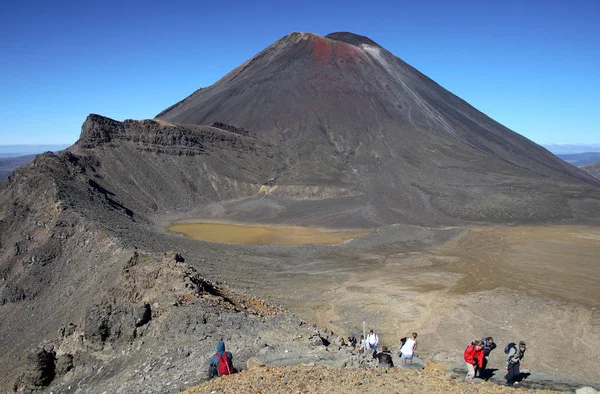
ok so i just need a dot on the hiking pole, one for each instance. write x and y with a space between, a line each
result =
365 335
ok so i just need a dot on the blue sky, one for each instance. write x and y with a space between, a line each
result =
534 67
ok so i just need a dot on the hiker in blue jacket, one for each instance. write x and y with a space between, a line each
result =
213 366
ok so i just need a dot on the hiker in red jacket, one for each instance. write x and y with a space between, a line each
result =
474 355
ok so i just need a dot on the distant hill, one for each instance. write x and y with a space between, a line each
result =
593 169
581 159
571 148
14 156
9 164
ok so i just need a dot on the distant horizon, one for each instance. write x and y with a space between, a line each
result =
27 145
571 148
14 150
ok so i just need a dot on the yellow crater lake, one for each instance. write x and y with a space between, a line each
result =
264 235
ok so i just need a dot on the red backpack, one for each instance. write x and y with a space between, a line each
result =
225 366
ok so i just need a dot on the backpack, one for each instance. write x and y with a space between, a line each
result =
225 365
386 359
509 346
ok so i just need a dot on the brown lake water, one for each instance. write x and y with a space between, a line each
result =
264 235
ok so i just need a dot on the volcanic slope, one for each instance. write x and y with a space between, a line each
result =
346 112
81 272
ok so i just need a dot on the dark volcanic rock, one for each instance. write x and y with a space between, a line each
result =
114 322
12 292
163 137
40 370
97 328
144 315
233 129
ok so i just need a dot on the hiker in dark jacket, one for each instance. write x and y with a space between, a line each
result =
213 365
352 341
513 362
488 346
385 358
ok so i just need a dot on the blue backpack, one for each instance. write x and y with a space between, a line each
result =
509 346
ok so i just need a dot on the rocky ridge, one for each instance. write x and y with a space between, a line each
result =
162 320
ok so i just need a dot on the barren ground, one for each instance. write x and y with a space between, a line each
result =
537 284
301 379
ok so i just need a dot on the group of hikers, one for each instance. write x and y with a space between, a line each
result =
476 356
371 342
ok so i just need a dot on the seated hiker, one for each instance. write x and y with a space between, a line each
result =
352 341
384 357
514 355
363 344
221 363
407 350
473 358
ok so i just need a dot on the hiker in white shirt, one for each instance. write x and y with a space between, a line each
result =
408 349
372 340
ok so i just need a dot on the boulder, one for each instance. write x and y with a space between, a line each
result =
337 340
110 323
586 390
39 371
144 315
316 340
96 326
67 330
